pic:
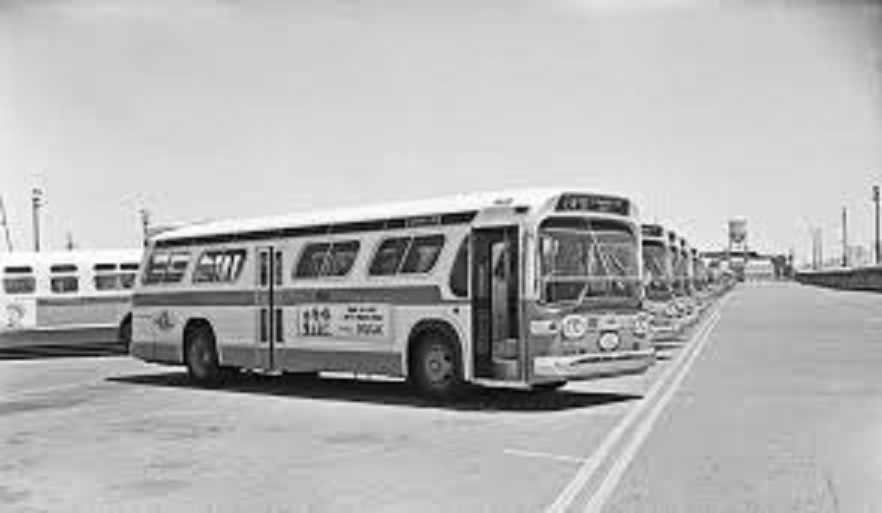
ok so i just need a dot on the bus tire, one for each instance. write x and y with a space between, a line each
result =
124 333
201 358
435 365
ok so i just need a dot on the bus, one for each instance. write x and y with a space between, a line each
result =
530 287
59 298
658 260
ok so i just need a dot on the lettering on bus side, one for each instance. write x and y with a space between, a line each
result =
344 321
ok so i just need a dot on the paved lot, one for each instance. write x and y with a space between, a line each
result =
776 414
782 412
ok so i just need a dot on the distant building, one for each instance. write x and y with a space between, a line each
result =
760 270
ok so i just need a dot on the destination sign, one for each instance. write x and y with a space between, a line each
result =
593 203
652 230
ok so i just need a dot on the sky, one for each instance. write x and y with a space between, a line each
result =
197 110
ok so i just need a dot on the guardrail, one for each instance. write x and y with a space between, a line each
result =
861 278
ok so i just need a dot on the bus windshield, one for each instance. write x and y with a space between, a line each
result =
655 263
585 260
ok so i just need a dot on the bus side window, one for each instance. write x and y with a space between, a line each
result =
64 284
156 268
388 256
19 280
177 266
422 254
340 259
312 259
105 277
459 273
221 266
128 274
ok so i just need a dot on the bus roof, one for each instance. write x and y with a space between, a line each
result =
77 256
462 205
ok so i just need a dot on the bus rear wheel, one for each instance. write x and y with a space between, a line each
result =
436 367
201 358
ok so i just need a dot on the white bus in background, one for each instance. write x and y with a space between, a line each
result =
528 287
66 297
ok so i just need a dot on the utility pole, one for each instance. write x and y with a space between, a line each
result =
70 241
844 237
813 232
876 246
145 224
36 203
3 220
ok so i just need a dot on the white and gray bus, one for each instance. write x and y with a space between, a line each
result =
533 287
66 297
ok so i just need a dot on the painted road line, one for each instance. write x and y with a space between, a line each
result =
621 463
544 455
593 463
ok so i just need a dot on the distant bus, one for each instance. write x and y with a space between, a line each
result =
66 297
526 287
658 263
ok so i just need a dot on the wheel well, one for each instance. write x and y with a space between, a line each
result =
426 327
192 326
127 319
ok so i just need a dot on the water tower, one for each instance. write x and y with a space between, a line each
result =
737 250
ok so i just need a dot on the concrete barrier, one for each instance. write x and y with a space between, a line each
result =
860 278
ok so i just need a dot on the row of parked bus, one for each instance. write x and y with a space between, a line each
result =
535 287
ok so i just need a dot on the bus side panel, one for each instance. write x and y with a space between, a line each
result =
143 334
235 331
56 312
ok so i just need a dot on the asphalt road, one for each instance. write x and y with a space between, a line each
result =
782 412
775 407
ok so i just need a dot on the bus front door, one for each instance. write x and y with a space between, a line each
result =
497 349
270 332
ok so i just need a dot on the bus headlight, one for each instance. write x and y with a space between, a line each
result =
609 341
575 326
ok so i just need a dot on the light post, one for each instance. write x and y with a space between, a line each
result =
876 246
145 224
844 237
36 203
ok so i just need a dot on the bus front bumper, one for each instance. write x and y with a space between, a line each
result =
592 366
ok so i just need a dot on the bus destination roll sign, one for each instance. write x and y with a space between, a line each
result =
593 203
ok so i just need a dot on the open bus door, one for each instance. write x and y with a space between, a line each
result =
498 347
270 332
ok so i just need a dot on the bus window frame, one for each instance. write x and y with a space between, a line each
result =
198 280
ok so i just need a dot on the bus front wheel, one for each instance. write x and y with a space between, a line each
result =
201 358
436 367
